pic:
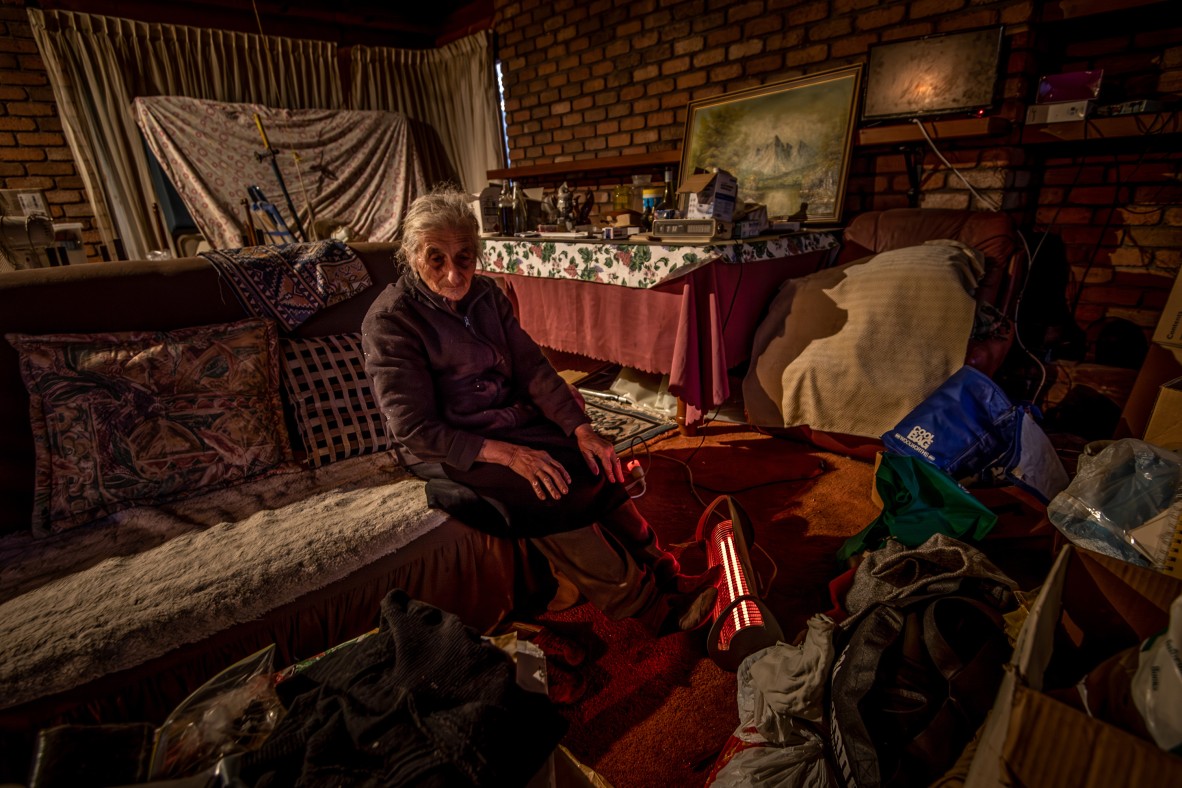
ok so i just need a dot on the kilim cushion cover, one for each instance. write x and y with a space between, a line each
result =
335 410
141 418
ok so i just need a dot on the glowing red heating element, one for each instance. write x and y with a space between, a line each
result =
732 586
742 624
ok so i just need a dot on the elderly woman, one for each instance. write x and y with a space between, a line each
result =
469 397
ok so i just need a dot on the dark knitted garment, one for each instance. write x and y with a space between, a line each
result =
424 702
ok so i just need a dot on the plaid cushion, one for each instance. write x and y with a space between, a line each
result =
335 410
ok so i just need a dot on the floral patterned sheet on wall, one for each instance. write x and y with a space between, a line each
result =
637 264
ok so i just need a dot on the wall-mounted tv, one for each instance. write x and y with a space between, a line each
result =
935 75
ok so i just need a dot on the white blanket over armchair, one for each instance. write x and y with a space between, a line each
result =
360 168
853 349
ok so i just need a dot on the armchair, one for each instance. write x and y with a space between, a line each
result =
874 232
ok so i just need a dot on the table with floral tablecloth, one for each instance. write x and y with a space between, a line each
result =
639 264
688 311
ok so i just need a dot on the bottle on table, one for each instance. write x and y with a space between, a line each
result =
505 209
652 197
668 199
622 197
520 211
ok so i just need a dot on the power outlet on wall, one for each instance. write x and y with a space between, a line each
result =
1059 112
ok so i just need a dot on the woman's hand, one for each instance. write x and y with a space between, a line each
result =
544 473
596 451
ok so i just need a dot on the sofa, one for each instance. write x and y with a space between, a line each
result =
116 604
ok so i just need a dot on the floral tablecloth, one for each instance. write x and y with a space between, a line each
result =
640 265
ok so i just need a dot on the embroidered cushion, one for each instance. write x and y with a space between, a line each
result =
135 418
335 411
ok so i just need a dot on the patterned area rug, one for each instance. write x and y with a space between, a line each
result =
623 423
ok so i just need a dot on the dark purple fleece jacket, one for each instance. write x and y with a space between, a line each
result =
445 379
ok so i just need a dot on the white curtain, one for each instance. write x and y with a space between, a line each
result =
453 89
98 65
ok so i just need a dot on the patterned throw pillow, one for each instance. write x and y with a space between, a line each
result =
145 417
335 410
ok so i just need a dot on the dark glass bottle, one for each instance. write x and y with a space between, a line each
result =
646 219
505 210
669 198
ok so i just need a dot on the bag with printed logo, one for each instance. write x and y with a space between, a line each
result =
963 427
968 427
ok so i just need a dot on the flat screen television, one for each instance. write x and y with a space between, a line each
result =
935 75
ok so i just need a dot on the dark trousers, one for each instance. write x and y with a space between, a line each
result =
495 499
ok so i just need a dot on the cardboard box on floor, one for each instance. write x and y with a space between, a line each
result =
1169 326
1161 368
1090 607
1165 421
1162 364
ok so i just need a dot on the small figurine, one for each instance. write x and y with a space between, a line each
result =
565 203
549 208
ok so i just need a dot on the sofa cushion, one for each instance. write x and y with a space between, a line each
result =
143 417
331 397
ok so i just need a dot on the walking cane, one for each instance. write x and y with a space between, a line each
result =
270 154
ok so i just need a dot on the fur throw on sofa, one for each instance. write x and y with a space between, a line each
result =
109 596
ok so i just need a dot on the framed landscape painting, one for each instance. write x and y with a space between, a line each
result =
787 143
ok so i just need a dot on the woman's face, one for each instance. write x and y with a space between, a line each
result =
448 263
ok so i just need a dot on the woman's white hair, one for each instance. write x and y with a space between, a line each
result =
444 209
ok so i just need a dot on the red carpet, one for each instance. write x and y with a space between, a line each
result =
657 711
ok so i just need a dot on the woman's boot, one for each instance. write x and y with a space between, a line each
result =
628 525
675 611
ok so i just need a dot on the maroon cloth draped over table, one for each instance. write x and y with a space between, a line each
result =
692 328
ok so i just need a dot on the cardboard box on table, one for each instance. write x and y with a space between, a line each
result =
1090 608
712 195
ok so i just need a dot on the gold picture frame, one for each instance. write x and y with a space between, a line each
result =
787 143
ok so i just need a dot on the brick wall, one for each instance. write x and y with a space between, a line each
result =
593 78
1117 204
611 77
33 150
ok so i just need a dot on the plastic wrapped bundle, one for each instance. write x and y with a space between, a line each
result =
1127 485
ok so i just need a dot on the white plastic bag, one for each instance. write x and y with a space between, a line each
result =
780 692
1157 684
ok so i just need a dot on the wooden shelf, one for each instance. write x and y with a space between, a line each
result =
958 128
1093 129
607 165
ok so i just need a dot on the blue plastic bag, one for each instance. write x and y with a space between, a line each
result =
963 427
